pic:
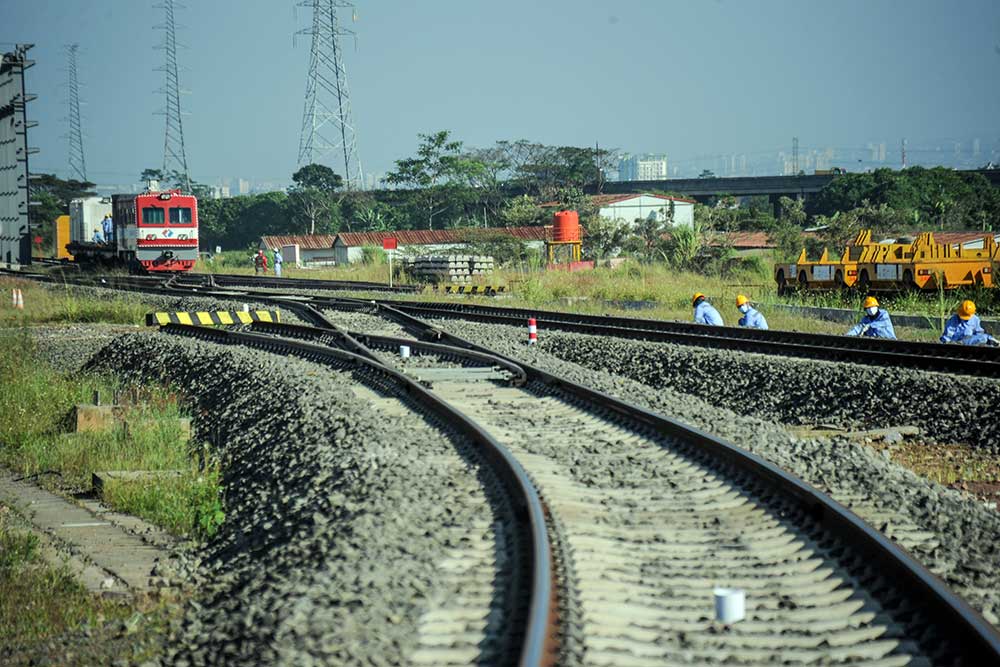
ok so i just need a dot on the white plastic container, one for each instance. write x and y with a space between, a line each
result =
404 351
730 604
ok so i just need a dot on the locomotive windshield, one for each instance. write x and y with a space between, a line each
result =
152 216
180 215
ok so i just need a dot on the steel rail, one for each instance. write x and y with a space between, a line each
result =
541 623
925 356
518 376
976 639
274 282
768 335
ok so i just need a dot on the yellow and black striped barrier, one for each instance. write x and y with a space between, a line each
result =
472 289
219 317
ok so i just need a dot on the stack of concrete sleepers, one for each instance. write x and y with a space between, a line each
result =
457 269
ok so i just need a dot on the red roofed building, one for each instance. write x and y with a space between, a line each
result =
348 246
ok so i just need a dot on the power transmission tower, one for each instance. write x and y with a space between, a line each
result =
795 156
327 126
77 164
174 157
903 151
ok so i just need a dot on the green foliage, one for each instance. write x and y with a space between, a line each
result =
371 254
35 401
940 197
53 195
522 211
603 238
317 176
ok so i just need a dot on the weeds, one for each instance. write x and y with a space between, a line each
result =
35 401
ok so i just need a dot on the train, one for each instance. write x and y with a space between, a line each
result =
152 232
919 264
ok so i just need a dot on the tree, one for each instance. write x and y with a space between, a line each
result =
603 238
521 212
647 239
706 173
53 195
441 174
312 199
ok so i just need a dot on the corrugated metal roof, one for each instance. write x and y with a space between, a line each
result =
960 237
601 201
440 236
305 241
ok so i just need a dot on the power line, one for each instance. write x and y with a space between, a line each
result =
327 125
174 157
77 163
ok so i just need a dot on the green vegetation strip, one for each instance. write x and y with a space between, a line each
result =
35 401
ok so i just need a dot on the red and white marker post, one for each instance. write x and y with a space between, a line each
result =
18 299
532 331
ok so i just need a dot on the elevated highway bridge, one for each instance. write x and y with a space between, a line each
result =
773 187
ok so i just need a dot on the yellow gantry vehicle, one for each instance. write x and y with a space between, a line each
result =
922 264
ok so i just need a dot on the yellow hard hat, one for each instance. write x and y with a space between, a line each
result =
697 295
967 309
741 299
870 302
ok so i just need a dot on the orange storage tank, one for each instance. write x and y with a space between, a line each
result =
566 226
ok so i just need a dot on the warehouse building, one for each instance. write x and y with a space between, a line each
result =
631 207
349 247
297 250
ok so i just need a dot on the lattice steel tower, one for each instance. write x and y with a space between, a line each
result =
77 164
174 158
327 126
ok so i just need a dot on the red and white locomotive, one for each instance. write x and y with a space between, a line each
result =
153 231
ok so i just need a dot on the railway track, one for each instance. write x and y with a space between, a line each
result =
955 359
649 515
633 518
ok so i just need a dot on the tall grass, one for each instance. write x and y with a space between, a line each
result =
55 304
35 401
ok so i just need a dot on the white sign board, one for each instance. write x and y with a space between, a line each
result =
822 273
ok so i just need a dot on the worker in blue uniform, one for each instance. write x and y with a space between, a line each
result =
752 318
875 323
704 312
108 227
964 327
97 238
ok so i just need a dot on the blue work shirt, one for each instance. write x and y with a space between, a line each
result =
278 259
879 326
966 332
97 238
753 319
108 226
705 313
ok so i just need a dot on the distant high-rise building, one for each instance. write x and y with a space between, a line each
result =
881 152
975 148
646 167
243 186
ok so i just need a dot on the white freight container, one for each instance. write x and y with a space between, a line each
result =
85 216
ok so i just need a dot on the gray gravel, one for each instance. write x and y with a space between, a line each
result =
955 537
947 408
338 516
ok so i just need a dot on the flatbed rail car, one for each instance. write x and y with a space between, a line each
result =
922 264
152 232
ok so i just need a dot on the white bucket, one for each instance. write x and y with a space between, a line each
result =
730 604
404 351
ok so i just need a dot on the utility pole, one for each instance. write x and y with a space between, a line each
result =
327 125
795 156
174 157
77 163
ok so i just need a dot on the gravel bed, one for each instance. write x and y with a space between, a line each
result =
365 323
947 408
957 538
338 516
69 347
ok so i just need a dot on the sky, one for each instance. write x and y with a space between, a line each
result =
691 78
